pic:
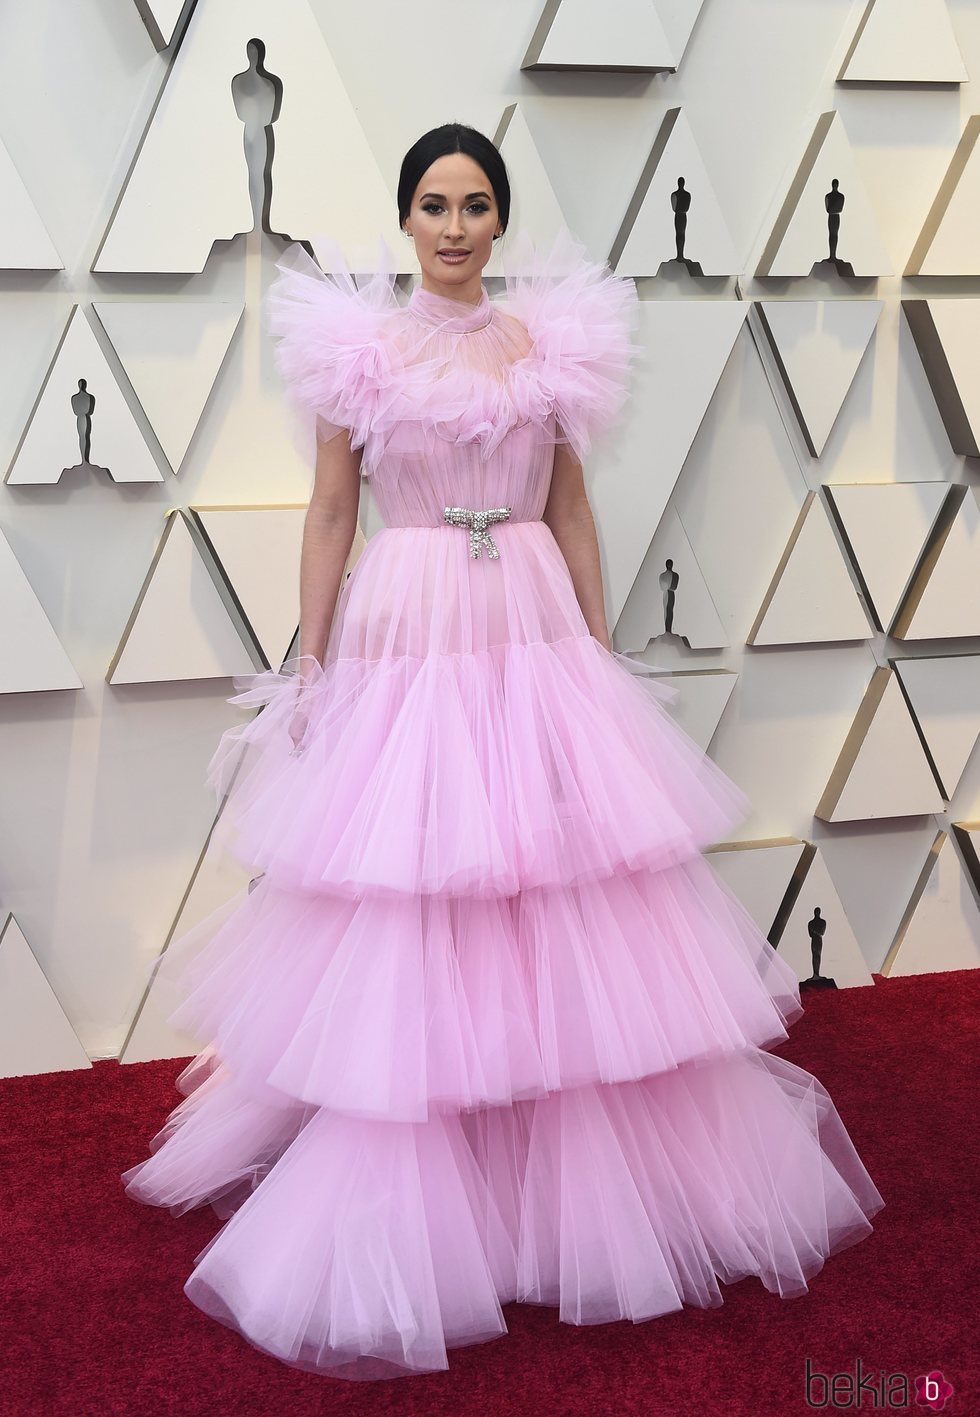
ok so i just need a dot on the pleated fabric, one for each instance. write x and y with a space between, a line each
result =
486 1026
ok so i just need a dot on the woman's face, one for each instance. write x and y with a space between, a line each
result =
453 209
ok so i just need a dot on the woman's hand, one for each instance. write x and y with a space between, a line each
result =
308 677
298 725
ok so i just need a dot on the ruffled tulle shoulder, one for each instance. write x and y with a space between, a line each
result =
333 350
354 354
582 318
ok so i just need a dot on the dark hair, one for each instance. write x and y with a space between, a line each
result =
453 138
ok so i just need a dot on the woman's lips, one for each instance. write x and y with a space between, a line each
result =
455 258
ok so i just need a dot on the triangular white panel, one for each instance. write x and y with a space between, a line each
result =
759 874
905 42
818 346
161 18
882 770
670 596
647 238
171 351
944 601
811 598
946 334
886 526
947 243
216 890
180 627
679 18
579 34
940 929
80 384
801 235
817 915
31 655
686 346
701 700
258 550
536 212
35 1035
945 696
24 242
188 186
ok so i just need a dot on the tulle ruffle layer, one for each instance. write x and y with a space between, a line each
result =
486 773
367 1249
218 1144
557 355
583 320
396 1009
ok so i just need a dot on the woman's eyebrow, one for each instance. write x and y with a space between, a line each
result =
442 198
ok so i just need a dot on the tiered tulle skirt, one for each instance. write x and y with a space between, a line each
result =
487 1027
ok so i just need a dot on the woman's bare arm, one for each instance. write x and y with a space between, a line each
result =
328 534
569 517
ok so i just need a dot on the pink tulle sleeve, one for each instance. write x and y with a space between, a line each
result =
583 319
332 349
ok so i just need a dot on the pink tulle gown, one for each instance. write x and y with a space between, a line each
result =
485 1027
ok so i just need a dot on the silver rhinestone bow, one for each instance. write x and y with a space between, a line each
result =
478 521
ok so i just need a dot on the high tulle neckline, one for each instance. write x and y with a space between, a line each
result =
449 313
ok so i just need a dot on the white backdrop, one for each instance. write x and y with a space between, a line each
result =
104 810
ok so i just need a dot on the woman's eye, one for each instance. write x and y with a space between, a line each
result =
437 207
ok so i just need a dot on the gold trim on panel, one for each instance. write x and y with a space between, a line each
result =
794 537
942 199
792 199
965 833
942 381
169 518
926 564
913 905
635 206
853 744
862 23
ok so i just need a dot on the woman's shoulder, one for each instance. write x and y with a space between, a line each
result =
333 331
307 306
582 319
557 283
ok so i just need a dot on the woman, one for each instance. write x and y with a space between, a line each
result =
487 1027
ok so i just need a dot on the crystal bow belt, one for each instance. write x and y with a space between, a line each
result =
478 522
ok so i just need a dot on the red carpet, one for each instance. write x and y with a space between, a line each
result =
95 1320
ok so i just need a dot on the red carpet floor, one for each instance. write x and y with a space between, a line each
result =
95 1321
